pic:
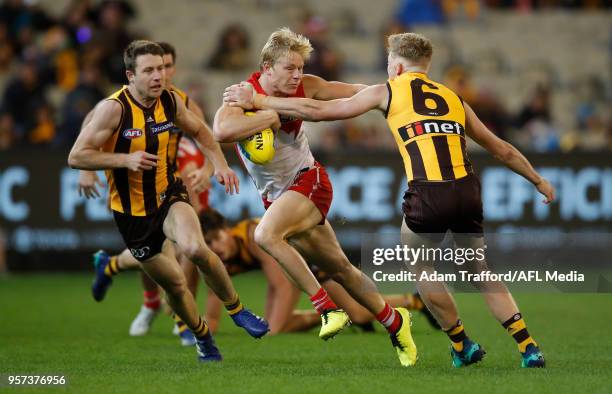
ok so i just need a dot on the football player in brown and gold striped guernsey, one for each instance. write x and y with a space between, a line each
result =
429 123
196 182
128 137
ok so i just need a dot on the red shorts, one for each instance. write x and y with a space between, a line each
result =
313 183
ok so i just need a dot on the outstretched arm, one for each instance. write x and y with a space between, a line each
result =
319 89
373 97
506 153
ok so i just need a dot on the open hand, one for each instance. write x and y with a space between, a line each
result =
547 190
228 178
87 184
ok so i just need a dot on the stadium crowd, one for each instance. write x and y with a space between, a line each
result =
53 70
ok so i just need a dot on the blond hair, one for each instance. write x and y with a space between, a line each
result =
411 46
281 42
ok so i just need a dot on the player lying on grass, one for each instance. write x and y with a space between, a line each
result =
429 123
237 248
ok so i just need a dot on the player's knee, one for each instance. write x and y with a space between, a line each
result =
342 271
265 238
195 251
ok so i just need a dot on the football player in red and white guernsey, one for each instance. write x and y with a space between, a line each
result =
297 192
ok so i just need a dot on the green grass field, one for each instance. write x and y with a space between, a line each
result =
50 325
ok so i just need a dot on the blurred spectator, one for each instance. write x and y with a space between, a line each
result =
591 96
455 8
79 21
233 50
391 27
24 19
78 103
457 78
7 135
592 114
419 12
492 112
56 59
43 131
6 48
544 136
528 5
114 36
484 102
21 99
324 61
534 118
537 108
347 22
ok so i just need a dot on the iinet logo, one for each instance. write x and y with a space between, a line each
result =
430 126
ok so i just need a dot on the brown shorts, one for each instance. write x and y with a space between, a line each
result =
433 208
144 235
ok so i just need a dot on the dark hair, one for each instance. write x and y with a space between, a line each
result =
168 49
137 48
212 220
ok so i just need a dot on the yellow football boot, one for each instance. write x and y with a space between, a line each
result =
332 322
402 340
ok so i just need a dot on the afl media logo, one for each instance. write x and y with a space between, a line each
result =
130 134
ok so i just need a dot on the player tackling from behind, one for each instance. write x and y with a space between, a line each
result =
297 192
429 123
128 136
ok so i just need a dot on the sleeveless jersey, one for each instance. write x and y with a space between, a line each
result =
176 133
428 123
292 153
140 193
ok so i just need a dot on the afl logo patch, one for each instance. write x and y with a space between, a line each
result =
130 134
